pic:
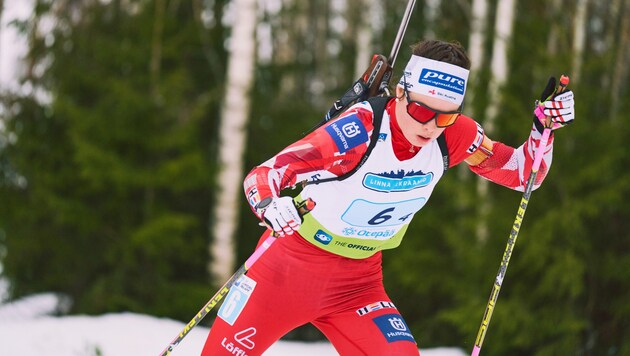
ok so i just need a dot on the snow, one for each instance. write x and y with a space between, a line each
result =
28 329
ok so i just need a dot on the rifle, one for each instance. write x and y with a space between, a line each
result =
375 80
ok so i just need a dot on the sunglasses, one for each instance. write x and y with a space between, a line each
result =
423 114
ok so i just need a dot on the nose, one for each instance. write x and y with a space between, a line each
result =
429 127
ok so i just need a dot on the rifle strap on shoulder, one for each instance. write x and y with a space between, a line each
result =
378 104
441 140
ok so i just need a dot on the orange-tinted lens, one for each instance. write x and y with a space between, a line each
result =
423 114
444 120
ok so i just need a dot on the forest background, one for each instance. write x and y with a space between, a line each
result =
123 148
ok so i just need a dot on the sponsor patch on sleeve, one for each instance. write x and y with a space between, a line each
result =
253 197
394 328
478 140
347 132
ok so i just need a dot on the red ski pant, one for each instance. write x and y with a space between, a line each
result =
297 283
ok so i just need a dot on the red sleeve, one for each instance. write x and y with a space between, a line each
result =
462 139
330 151
508 166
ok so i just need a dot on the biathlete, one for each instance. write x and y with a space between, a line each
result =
327 271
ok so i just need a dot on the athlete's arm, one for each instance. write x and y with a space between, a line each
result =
326 152
493 160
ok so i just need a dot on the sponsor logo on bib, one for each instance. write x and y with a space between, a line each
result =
400 181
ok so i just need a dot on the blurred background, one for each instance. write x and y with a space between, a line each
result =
126 127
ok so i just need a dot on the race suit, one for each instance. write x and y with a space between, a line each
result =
329 273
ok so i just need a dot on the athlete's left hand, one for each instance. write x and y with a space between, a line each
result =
560 108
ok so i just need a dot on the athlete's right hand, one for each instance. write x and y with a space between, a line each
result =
281 216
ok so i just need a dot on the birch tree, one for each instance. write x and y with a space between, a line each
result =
504 24
579 30
554 27
478 28
232 137
364 36
370 25
478 32
431 12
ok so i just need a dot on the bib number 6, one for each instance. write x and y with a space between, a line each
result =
363 213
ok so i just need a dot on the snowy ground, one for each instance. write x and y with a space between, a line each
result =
26 329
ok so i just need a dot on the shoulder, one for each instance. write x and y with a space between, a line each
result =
352 128
463 138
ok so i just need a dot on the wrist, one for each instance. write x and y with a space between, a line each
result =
262 206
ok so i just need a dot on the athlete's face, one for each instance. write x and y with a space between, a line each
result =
417 133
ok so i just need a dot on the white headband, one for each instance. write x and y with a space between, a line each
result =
434 78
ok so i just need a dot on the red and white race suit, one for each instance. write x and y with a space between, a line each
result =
329 273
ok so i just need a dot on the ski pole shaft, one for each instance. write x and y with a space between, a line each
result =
303 208
401 32
507 254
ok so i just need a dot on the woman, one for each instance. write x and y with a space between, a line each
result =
326 270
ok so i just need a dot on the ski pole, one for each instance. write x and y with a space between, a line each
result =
507 254
303 208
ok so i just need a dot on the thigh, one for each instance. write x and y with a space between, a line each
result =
375 328
260 308
238 326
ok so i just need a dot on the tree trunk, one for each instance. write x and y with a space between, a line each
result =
579 29
478 30
554 27
431 12
499 72
232 138
363 37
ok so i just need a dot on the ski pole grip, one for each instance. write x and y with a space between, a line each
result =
562 86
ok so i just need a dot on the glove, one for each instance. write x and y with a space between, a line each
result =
280 215
561 108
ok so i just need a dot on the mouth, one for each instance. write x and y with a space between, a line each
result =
421 140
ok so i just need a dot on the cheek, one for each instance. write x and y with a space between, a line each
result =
438 131
407 124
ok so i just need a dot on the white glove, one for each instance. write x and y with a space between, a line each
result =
281 216
561 110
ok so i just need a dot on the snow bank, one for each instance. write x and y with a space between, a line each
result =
27 329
